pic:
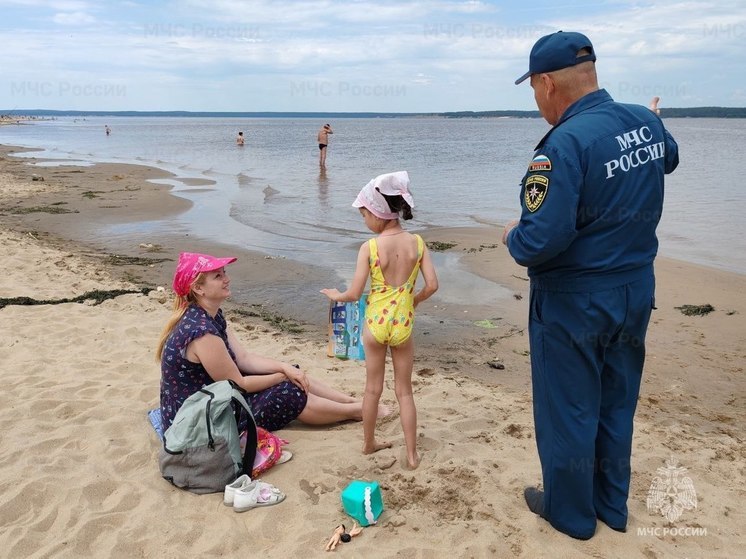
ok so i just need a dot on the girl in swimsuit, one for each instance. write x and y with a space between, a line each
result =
393 260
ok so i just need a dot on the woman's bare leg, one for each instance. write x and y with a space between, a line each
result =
318 388
322 411
403 360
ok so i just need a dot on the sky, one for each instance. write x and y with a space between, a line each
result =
354 56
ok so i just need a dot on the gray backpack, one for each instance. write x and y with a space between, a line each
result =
202 449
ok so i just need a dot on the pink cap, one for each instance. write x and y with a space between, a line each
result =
192 264
391 184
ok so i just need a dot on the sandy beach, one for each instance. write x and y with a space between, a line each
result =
78 460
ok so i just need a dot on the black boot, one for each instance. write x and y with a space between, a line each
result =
535 500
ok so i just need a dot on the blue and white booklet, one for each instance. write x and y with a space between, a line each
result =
346 321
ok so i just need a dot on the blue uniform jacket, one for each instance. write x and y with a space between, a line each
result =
592 197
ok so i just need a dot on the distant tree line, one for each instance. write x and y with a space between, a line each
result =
492 114
685 112
705 112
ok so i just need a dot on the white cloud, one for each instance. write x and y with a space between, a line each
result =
422 79
326 12
73 18
455 55
57 5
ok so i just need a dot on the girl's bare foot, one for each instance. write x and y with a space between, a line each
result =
383 411
413 461
375 447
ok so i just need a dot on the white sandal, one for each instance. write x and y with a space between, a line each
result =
284 457
230 490
242 482
256 494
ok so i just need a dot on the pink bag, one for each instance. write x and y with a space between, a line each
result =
268 450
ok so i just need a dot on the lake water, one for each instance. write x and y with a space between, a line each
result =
464 172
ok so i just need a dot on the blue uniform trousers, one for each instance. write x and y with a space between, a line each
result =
587 355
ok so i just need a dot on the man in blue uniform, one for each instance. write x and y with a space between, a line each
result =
591 200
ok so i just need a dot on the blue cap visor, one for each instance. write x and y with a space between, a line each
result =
579 60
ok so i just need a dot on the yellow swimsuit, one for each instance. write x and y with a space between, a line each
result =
390 309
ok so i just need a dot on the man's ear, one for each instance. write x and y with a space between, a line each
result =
549 85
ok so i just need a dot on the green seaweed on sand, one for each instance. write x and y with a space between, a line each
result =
696 310
117 260
439 245
280 322
480 249
42 209
97 297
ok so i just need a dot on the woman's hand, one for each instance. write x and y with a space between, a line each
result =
297 377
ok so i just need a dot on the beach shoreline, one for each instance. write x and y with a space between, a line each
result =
81 377
462 324
104 193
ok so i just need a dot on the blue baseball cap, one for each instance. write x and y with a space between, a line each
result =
556 51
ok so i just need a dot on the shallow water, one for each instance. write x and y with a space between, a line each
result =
270 195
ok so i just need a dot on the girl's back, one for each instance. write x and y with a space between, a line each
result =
398 256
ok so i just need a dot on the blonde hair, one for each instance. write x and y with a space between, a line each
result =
181 303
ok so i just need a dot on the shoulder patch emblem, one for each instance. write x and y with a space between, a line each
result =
535 191
540 163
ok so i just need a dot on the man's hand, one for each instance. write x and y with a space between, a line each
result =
653 106
507 230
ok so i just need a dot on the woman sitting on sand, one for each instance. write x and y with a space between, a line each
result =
197 348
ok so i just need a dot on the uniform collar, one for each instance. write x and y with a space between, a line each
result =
584 103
